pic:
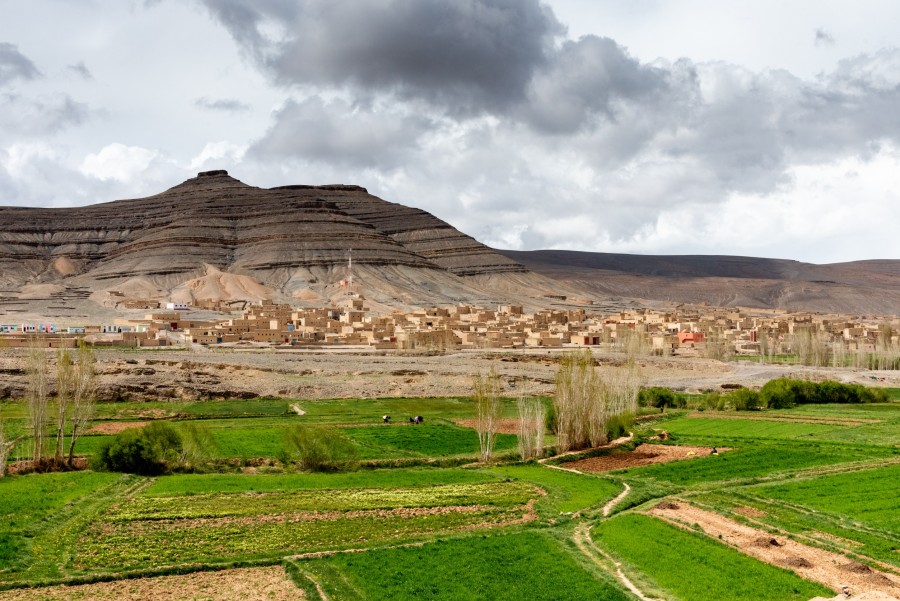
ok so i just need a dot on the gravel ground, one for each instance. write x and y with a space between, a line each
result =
351 373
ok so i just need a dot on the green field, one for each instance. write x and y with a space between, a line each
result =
661 553
754 460
529 566
448 527
712 428
568 492
156 531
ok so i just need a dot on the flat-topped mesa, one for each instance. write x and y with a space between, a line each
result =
216 220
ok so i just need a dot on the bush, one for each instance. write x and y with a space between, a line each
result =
149 451
657 396
619 425
785 392
318 449
743 399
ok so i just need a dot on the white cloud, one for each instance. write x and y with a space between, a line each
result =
118 162
222 153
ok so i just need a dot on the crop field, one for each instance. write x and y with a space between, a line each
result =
159 531
661 553
855 511
752 461
568 492
712 427
511 530
526 565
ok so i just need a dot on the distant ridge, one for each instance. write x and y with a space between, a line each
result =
871 286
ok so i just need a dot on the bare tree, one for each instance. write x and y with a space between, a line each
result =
577 389
83 392
36 395
65 371
7 444
587 403
531 427
487 408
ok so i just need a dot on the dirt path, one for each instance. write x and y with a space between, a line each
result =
609 506
831 569
507 425
585 544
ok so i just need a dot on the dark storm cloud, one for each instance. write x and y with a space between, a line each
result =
14 64
480 96
465 55
81 70
338 133
227 105
583 80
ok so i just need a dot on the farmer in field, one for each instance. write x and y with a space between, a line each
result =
714 451
386 419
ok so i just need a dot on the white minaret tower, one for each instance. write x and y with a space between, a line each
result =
349 277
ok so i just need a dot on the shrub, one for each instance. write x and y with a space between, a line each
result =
743 399
785 392
318 449
149 451
657 396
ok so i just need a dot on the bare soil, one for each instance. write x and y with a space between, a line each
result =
114 427
645 454
831 569
243 584
504 426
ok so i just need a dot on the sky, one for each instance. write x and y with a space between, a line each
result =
763 128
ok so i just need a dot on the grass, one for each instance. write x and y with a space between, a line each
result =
426 440
666 555
528 565
567 492
28 500
744 428
868 496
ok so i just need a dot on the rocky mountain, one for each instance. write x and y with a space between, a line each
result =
854 287
215 237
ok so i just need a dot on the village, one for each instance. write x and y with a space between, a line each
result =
716 333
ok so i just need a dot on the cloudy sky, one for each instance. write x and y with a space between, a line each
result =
763 128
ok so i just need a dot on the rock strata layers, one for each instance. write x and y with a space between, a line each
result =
288 239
